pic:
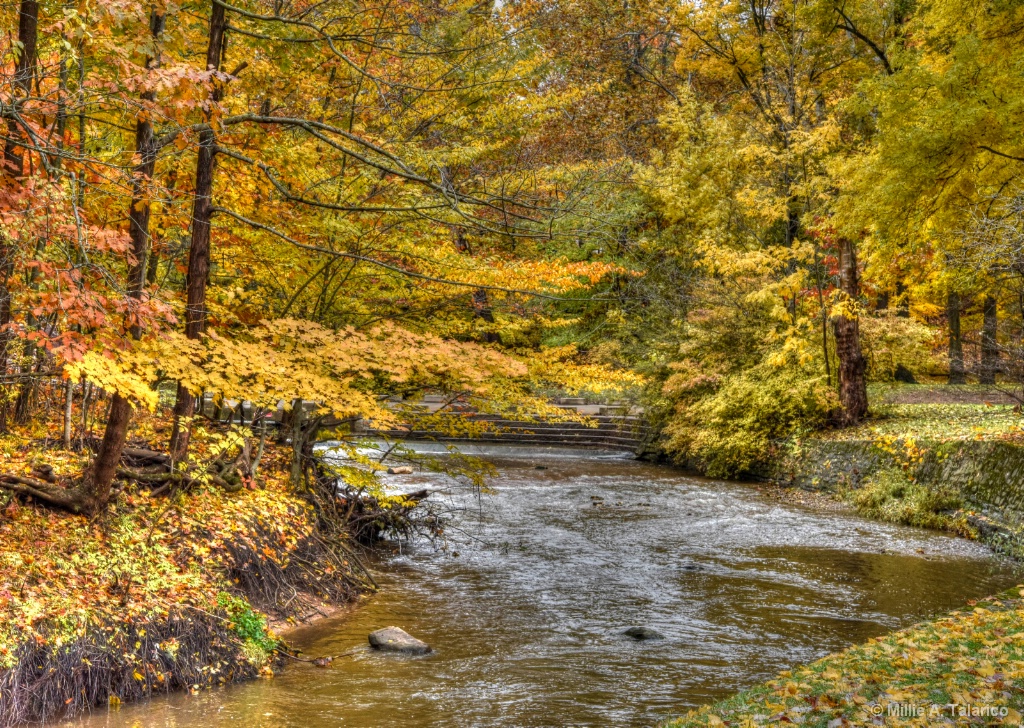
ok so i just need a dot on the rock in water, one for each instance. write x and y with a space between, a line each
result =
644 633
395 639
400 470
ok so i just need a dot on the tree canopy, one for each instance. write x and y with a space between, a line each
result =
731 209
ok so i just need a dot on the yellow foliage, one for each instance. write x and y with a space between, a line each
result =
289 359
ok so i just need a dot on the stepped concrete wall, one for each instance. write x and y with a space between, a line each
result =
613 432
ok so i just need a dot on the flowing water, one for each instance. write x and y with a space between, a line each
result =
526 613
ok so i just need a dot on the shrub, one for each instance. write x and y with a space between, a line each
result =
739 424
249 625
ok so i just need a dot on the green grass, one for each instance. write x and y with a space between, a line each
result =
890 495
940 422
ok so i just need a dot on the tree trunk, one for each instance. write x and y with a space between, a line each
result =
6 271
139 213
956 346
97 483
116 431
853 395
24 72
480 300
989 345
199 249
298 422
27 390
903 302
69 393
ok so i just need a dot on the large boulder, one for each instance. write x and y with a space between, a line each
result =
395 639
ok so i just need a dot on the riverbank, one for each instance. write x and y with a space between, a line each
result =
950 458
944 458
527 606
161 593
966 667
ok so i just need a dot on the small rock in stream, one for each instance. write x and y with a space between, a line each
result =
644 633
395 639
400 470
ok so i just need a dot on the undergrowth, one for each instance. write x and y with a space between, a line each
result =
937 422
891 495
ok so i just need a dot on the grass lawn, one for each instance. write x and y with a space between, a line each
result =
936 412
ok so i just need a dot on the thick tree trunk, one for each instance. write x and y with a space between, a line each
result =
104 467
956 346
989 345
199 249
116 431
903 302
483 311
24 72
27 390
853 395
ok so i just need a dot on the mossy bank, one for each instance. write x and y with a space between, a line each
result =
953 467
966 668
973 487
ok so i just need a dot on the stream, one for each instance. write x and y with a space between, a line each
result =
525 609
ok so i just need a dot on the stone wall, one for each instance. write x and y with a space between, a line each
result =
989 476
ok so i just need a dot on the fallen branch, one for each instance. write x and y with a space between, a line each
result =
150 456
150 478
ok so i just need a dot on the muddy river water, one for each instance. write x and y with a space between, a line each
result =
526 608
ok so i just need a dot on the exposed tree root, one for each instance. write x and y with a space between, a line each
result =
286 573
139 464
74 500
313 566
120 662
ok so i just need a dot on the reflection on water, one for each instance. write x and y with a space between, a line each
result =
526 621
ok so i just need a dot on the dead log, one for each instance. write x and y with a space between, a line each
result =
144 456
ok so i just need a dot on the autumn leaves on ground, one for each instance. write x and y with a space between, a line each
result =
963 669
745 218
162 593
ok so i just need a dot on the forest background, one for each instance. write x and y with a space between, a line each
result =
736 212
